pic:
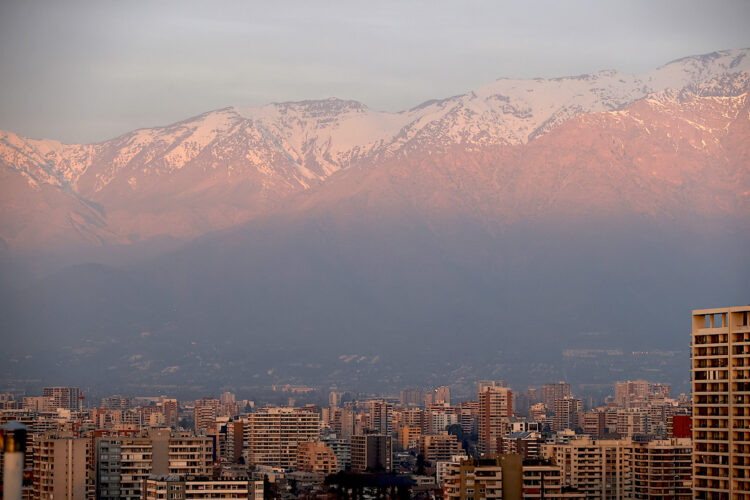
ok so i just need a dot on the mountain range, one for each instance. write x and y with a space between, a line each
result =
508 225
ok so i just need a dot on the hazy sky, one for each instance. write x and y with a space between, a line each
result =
87 71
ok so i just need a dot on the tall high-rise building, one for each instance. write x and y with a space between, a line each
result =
335 398
495 410
227 398
170 409
411 397
275 433
116 402
124 463
61 468
630 390
440 395
639 392
68 398
343 421
481 384
721 402
381 416
371 452
552 392
206 411
662 469
593 423
566 413
235 439
602 469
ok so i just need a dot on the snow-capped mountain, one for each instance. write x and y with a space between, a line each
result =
228 166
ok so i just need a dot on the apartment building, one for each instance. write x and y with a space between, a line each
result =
205 413
663 469
371 452
124 463
721 402
566 413
553 392
381 416
440 446
495 410
317 457
474 479
177 487
62 468
599 468
543 479
273 435
68 398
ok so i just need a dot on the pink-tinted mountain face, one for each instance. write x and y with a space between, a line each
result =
669 144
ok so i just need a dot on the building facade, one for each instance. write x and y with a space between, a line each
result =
62 468
371 452
721 402
274 434
663 469
495 410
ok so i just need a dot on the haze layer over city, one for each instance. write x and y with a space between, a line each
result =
230 196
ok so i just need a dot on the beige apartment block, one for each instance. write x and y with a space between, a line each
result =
177 487
317 457
124 463
721 402
62 397
205 413
495 410
504 476
274 434
439 446
190 455
566 413
663 469
474 479
601 468
553 392
61 469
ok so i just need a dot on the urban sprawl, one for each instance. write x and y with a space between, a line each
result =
643 442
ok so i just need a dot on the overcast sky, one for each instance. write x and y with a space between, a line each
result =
88 71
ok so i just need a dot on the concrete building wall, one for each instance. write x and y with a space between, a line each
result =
721 401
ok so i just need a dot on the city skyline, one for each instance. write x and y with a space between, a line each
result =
347 250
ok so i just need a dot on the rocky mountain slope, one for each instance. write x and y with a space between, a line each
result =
647 137
529 231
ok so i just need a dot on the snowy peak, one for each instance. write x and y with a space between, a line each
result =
228 166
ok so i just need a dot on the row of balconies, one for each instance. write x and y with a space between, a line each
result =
706 424
718 338
719 362
712 412
715 350
705 447
705 375
701 472
710 387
